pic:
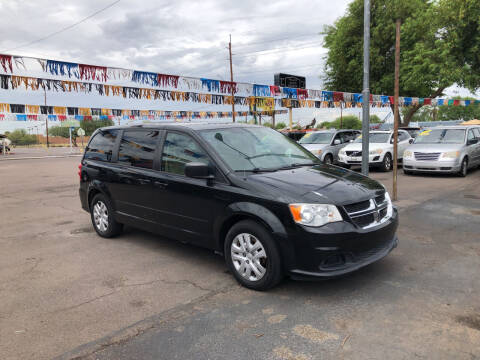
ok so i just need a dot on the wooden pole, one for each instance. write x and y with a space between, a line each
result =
231 78
395 114
290 118
46 118
341 116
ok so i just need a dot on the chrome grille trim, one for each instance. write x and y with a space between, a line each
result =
426 156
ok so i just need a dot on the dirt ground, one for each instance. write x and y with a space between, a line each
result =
67 293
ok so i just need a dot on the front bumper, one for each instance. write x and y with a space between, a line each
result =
340 248
357 160
448 165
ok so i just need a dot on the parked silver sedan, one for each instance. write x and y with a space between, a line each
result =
449 149
325 144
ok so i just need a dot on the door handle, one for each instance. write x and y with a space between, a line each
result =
144 181
160 184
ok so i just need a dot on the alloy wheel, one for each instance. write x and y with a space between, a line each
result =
100 216
249 257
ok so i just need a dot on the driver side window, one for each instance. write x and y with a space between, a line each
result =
179 150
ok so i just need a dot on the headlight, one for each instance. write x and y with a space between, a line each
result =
390 206
342 152
315 214
451 154
317 152
407 154
373 152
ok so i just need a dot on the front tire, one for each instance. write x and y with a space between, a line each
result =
463 168
386 163
101 213
328 159
252 256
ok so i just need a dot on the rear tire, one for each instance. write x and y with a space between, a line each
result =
101 213
252 256
463 168
386 163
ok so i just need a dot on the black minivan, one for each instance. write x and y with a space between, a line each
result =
247 192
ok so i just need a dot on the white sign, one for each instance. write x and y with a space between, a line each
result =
80 132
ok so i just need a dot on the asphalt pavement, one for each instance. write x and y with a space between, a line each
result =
66 293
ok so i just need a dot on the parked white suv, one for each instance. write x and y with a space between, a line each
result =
380 149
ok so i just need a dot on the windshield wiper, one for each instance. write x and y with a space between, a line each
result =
257 170
296 165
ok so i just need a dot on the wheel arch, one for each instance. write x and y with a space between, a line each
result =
245 211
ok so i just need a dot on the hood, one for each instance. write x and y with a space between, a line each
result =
311 147
372 146
429 148
319 184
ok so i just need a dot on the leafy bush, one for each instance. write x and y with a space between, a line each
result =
267 124
280 125
21 137
375 119
348 122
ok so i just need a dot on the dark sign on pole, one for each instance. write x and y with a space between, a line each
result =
291 81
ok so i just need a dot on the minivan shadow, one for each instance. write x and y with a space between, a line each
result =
206 259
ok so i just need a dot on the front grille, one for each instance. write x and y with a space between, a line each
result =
353 153
380 199
367 212
360 206
364 220
426 156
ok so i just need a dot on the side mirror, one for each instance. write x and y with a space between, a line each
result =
472 141
198 170
336 142
411 141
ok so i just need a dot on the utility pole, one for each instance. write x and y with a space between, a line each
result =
395 109
231 78
46 116
366 90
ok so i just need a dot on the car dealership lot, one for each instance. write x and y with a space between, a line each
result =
66 292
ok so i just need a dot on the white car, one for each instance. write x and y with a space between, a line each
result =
380 149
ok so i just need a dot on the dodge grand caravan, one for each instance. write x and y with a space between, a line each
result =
248 192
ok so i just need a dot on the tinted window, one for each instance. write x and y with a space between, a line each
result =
376 138
137 148
101 146
178 150
470 135
476 132
402 136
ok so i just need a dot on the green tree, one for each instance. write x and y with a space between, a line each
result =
21 137
459 112
440 43
375 119
348 122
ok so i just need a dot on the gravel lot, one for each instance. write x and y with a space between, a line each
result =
67 293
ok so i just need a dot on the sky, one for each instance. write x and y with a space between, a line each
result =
188 38
178 37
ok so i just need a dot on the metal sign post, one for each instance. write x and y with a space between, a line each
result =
366 90
396 117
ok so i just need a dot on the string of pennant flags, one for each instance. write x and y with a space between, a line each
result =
100 80
21 112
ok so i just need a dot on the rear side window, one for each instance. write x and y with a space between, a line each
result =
137 148
101 146
476 132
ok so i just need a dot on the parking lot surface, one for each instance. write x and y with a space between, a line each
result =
67 293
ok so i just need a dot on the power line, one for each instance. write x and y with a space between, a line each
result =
65 28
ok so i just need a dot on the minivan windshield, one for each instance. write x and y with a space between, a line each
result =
375 138
437 136
257 149
316 138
